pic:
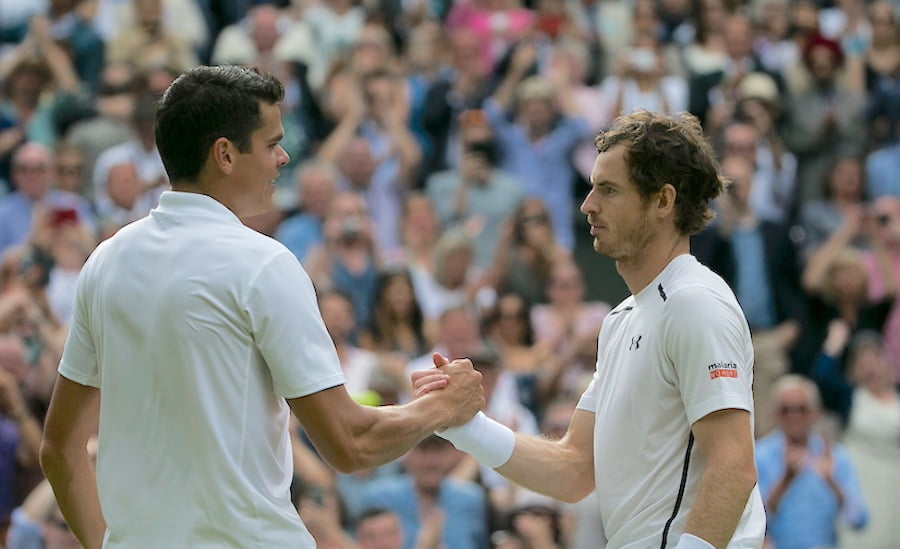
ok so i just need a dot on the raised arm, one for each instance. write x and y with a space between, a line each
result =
523 58
813 275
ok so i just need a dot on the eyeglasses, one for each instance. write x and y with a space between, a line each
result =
787 409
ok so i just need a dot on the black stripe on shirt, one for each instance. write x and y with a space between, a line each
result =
684 475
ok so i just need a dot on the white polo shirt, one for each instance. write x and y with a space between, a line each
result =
196 328
675 352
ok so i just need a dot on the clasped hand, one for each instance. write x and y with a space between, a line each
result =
456 383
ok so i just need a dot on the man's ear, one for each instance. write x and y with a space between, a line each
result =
665 200
223 153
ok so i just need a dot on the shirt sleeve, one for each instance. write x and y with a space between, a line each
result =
79 359
588 400
708 343
289 330
854 510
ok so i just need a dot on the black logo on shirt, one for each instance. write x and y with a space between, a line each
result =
662 293
635 343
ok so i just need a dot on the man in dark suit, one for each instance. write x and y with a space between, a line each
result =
759 261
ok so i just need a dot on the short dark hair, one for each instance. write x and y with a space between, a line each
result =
204 104
669 149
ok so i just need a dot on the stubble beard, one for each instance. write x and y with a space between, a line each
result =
632 242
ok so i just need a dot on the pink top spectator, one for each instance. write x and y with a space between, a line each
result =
891 331
496 29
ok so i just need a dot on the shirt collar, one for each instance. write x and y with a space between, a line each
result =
188 204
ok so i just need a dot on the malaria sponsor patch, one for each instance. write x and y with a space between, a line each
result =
722 369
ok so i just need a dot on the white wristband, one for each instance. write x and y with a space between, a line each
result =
488 441
690 541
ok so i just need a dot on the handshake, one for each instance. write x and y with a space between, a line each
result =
455 384
457 387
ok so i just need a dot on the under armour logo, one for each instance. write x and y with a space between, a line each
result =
635 343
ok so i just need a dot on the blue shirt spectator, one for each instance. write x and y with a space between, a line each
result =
882 173
424 488
806 482
544 165
32 175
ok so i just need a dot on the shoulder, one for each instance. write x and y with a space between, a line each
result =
698 293
701 307
694 284
255 245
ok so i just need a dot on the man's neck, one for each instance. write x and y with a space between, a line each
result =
640 271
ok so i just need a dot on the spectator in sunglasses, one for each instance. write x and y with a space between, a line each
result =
808 482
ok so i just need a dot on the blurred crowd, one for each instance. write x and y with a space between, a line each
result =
439 152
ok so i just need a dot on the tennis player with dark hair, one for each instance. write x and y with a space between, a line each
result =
196 337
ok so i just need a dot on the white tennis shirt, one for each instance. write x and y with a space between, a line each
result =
675 352
196 328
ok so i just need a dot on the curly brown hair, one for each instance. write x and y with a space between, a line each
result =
664 149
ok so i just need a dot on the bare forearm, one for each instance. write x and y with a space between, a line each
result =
813 276
838 493
774 499
550 467
721 498
74 482
407 149
337 141
66 77
503 96
394 430
387 433
30 435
